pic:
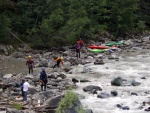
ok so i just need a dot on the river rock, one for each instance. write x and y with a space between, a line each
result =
103 95
128 42
43 63
84 80
114 93
99 62
91 87
8 76
117 81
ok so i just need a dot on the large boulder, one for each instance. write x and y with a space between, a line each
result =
117 81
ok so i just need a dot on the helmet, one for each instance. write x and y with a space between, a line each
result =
43 68
29 56
61 58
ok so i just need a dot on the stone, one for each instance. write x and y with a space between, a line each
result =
117 81
114 93
8 76
91 87
103 95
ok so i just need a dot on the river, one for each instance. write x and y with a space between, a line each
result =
131 65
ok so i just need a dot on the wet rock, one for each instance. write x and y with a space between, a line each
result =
103 95
148 109
117 81
99 62
134 83
74 80
91 87
122 107
143 77
86 69
84 80
134 94
114 93
94 91
125 108
113 57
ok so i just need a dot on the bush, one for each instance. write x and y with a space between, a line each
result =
67 102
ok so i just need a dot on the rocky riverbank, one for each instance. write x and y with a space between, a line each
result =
58 79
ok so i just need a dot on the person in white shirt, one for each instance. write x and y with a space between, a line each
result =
26 86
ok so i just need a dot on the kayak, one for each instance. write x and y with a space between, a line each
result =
111 44
97 50
98 47
120 42
114 43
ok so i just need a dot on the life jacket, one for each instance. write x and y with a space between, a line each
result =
59 59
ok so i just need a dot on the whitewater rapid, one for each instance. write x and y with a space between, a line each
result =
130 66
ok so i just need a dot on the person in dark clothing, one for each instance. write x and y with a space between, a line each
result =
43 79
21 87
58 61
30 64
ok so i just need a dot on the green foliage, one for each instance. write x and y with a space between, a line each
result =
48 23
122 15
4 25
67 102
141 25
17 106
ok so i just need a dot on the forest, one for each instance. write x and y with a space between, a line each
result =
48 23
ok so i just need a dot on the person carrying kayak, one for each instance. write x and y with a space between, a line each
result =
30 64
43 79
79 44
58 61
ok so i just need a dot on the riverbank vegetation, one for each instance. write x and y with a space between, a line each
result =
47 23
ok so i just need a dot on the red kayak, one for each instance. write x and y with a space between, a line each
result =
98 47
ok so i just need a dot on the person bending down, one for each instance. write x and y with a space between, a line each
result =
58 61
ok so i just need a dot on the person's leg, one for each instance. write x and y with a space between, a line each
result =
29 70
58 63
54 66
32 70
22 92
25 95
79 54
42 87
